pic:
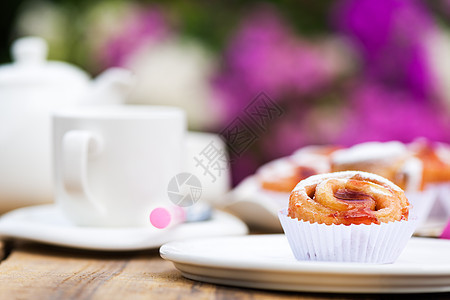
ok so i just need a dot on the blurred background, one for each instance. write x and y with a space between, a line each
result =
343 72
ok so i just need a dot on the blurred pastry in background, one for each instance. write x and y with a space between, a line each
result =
316 150
391 160
283 174
435 158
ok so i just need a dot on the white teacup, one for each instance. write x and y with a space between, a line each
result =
215 183
113 163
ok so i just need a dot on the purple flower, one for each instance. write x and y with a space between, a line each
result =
142 27
378 113
300 126
243 166
264 55
390 35
285 136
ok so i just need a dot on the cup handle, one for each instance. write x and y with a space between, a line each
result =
77 146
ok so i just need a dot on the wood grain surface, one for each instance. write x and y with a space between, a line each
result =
33 271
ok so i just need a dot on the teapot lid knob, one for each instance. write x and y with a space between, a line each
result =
30 50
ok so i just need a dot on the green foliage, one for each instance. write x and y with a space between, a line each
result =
211 22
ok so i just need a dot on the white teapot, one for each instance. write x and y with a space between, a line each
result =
30 88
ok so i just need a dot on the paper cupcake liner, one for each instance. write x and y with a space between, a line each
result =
378 244
443 195
422 203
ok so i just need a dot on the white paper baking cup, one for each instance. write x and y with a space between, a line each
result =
443 196
422 203
378 244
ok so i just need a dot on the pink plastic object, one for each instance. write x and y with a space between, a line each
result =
163 217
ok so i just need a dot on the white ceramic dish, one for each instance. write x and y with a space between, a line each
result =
259 208
266 261
255 206
46 224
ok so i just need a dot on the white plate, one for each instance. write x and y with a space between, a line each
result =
266 261
255 206
46 224
259 208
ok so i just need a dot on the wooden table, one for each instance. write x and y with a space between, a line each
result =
34 271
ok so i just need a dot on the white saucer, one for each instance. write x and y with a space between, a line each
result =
266 261
46 224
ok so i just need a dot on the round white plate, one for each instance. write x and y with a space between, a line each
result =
46 224
266 262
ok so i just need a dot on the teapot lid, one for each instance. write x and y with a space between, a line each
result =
30 66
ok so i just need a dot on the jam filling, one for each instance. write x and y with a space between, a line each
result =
357 216
350 195
362 206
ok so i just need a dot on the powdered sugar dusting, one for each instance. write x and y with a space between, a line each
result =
318 162
369 151
316 179
279 167
311 149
